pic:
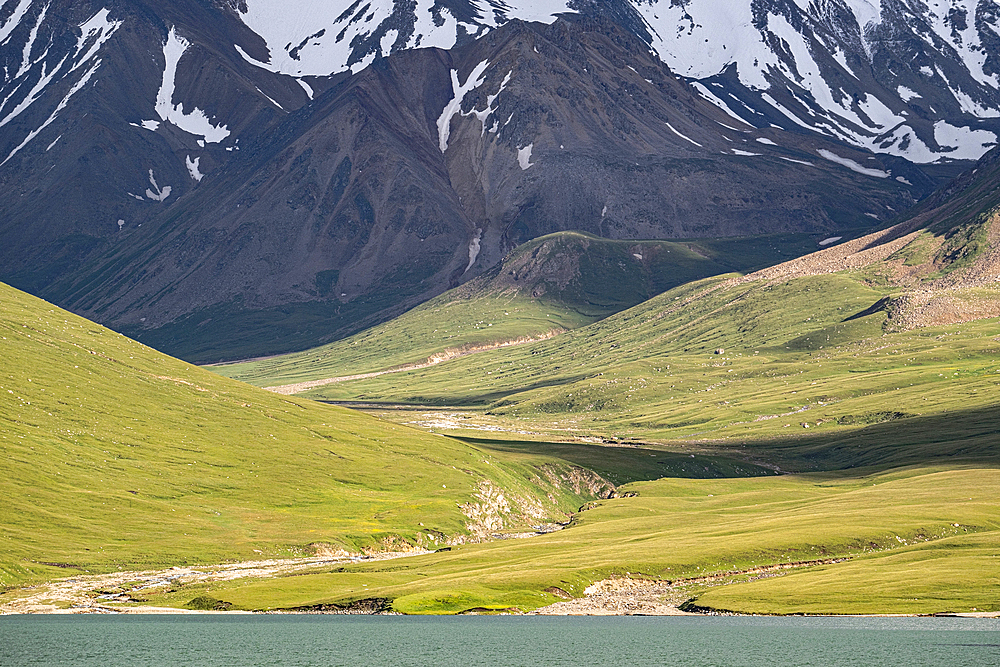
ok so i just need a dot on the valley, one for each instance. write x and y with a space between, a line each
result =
480 307
756 444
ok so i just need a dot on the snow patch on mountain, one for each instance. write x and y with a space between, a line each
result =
59 107
851 164
309 38
866 13
192 167
717 101
194 122
803 46
699 39
95 32
684 137
484 115
157 193
474 247
961 142
36 91
954 22
15 19
29 45
473 81
524 157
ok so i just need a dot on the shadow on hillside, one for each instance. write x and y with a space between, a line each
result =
968 437
621 464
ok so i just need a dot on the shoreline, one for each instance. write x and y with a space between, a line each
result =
616 596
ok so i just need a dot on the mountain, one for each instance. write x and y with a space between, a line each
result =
225 179
893 76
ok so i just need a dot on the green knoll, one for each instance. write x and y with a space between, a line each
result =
114 456
552 284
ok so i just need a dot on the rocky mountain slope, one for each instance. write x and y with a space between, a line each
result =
281 175
906 78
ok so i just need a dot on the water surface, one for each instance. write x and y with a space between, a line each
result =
220 640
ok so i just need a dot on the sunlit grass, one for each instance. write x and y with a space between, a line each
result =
900 530
116 456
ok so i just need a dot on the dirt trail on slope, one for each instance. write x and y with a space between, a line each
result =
104 593
433 360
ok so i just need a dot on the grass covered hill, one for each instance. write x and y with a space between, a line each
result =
114 456
914 541
552 284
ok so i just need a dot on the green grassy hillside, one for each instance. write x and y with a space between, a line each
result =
812 369
820 365
555 283
920 540
114 456
870 370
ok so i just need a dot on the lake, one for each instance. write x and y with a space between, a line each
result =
304 640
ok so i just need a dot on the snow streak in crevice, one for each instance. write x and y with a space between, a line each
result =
195 122
95 31
455 105
62 105
15 20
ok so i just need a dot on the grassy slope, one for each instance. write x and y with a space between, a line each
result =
799 352
564 281
678 529
649 372
815 375
116 456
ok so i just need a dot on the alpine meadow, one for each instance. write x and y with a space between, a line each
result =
589 307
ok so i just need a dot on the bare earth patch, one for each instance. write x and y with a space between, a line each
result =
622 596
105 593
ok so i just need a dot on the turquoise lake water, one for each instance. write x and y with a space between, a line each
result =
222 641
